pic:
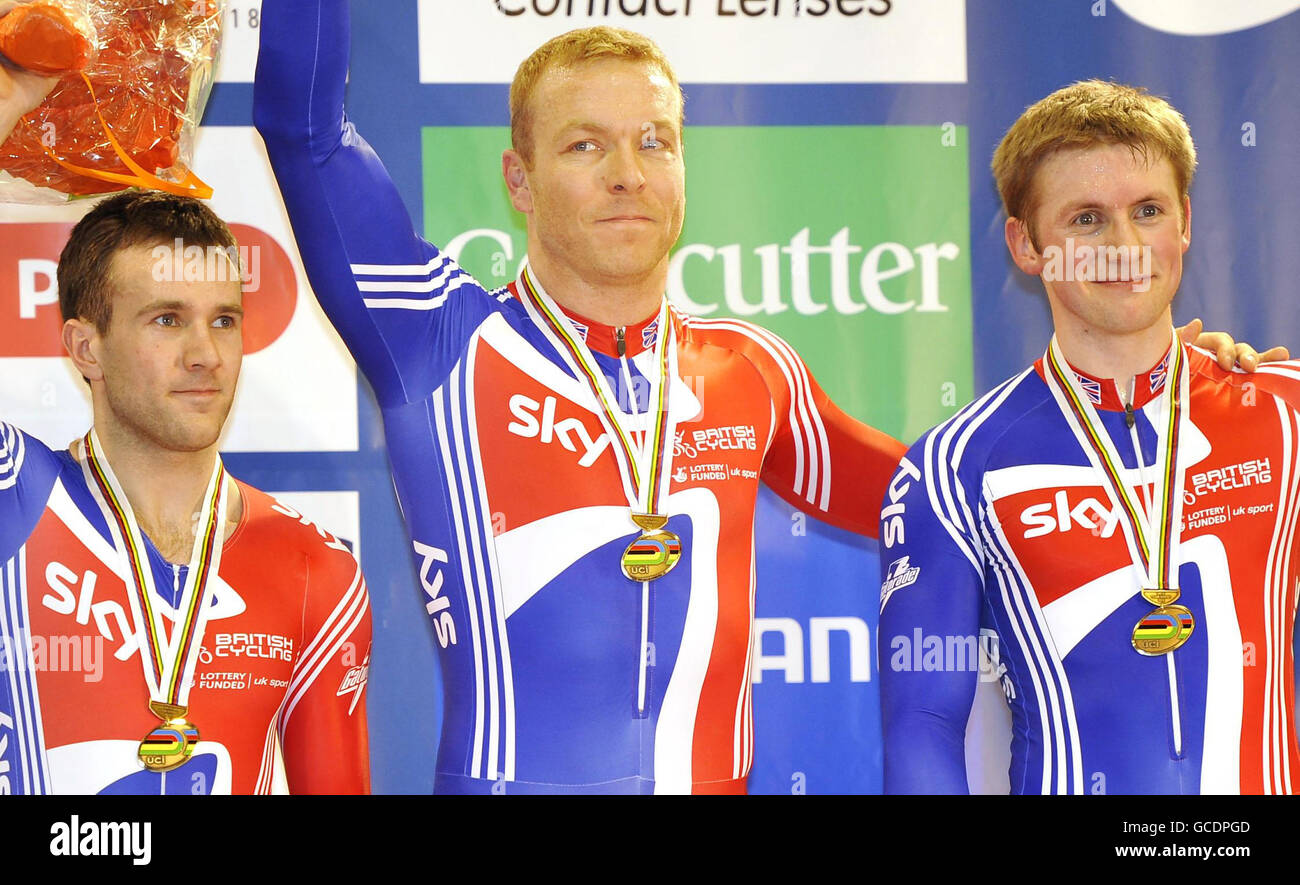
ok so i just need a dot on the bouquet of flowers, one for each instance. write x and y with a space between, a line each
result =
134 78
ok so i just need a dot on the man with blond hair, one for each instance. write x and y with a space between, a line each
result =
588 574
1112 526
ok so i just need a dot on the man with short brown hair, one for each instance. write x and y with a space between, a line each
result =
1112 526
223 640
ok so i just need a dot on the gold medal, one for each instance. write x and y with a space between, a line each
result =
1163 630
654 554
644 467
171 744
1153 536
168 663
1160 596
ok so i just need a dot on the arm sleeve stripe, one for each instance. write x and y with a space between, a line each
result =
12 450
801 403
326 643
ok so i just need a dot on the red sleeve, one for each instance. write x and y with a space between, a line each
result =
820 459
323 725
1280 378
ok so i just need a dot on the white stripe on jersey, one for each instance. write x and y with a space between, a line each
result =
675 727
803 411
450 471
29 730
266 770
1037 648
401 270
743 739
494 572
442 277
336 630
12 450
940 468
1275 761
416 303
1284 592
477 544
1224 687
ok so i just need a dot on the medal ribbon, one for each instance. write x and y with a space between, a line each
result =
1153 538
647 466
168 664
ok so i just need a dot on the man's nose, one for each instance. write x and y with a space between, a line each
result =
624 173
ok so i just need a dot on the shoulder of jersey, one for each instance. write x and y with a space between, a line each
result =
765 349
280 528
725 330
1281 377
19 450
967 438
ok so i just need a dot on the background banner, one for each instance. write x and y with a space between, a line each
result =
839 194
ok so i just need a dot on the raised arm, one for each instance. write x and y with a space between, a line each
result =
396 300
930 599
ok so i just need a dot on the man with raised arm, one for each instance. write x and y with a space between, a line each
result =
590 580
1114 526
597 637
165 628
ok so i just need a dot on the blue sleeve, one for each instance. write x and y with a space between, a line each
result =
403 308
931 597
28 471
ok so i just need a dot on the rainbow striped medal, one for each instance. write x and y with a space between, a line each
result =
645 467
1152 534
168 663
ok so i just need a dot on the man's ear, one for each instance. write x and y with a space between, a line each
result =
1021 246
81 341
516 175
1187 221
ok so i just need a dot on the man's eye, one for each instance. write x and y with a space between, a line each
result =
167 319
1149 211
652 144
584 147
226 322
1085 218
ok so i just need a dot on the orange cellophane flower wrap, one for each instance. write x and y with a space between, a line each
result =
48 37
130 115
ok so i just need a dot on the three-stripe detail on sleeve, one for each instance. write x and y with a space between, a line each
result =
410 286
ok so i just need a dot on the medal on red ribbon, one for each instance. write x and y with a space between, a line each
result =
168 661
645 467
1153 533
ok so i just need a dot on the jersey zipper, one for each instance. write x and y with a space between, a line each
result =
1175 708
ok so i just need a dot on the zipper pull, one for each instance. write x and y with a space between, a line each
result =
1129 419
620 340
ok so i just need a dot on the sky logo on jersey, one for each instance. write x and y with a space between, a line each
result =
1058 516
824 266
439 606
892 529
568 432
